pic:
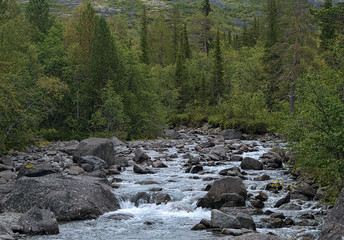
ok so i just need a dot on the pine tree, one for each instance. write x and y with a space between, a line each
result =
144 37
176 29
217 81
206 8
229 37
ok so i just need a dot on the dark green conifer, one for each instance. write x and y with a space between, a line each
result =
144 37
206 8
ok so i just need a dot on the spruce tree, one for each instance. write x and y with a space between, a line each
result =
272 24
144 37
37 13
206 8
185 45
217 81
176 29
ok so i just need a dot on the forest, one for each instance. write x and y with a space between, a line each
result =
134 73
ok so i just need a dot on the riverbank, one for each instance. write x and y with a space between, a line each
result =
163 187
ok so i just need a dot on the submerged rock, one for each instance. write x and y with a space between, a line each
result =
251 164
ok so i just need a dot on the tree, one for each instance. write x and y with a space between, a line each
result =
206 8
217 80
185 46
37 13
104 58
176 29
144 37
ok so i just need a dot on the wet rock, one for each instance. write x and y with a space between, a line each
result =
282 201
140 198
261 196
288 221
208 144
39 221
320 194
147 182
120 216
272 160
91 163
235 232
274 187
306 190
257 203
257 236
223 220
290 206
6 233
246 221
140 156
113 171
68 197
142 170
229 200
104 148
206 223
173 134
148 223
277 215
251 164
307 216
196 169
229 134
308 222
264 177
236 158
222 186
198 227
159 198
159 164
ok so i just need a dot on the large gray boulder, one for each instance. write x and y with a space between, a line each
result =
103 148
229 134
68 197
38 221
219 192
38 170
251 164
334 226
92 163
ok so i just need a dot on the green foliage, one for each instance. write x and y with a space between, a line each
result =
316 131
37 13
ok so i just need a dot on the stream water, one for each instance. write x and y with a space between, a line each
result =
174 219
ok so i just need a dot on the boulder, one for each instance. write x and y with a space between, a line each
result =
159 164
120 216
229 134
92 163
251 164
334 225
140 198
38 221
140 156
264 177
236 158
229 200
222 220
222 186
142 170
159 198
282 201
8 175
196 169
103 148
235 232
68 197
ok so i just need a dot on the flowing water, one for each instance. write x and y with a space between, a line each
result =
174 219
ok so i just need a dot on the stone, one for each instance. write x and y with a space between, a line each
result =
196 169
257 203
229 200
68 197
236 158
223 220
246 221
198 227
159 164
235 232
229 134
38 221
206 223
140 156
290 206
264 177
94 162
120 216
251 164
140 198
77 169
257 236
104 148
142 170
159 198
261 196
113 171
277 215
4 167
8 175
222 186
282 201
